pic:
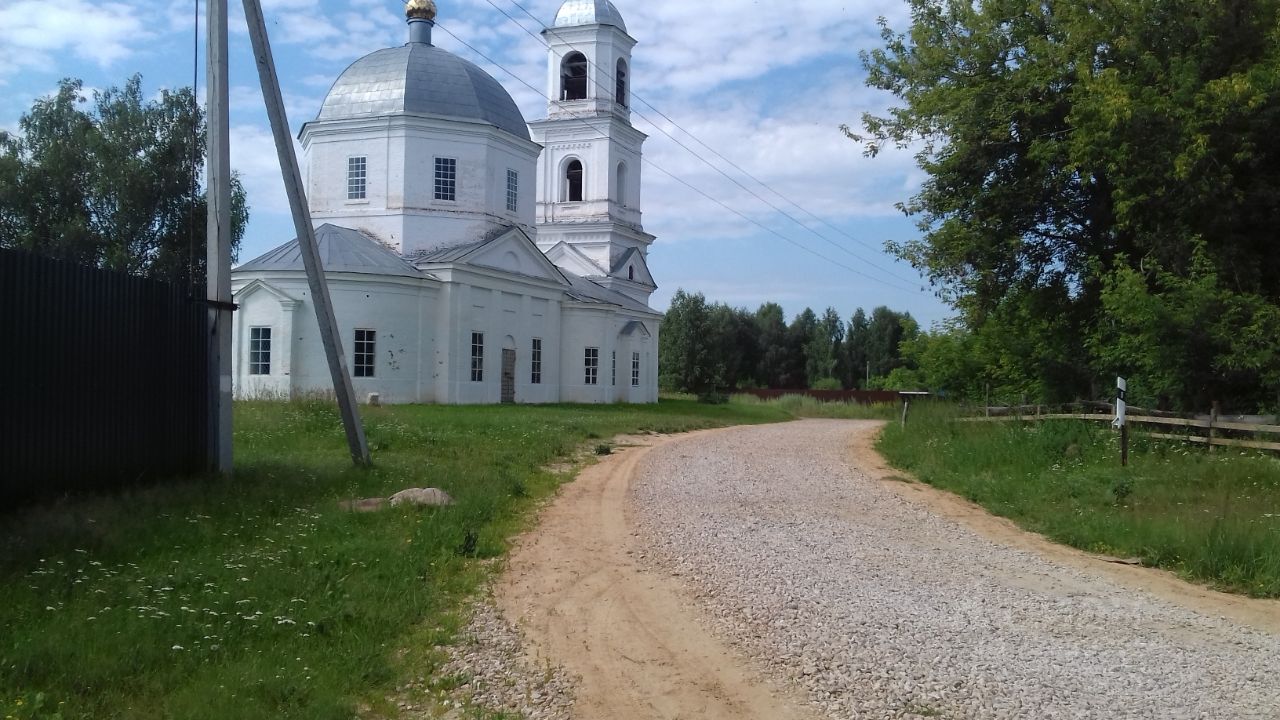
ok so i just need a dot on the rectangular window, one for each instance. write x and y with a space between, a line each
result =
592 363
535 362
357 178
635 369
446 179
613 378
477 357
366 340
260 351
513 190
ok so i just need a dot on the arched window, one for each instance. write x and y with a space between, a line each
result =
620 191
631 272
573 181
620 92
573 77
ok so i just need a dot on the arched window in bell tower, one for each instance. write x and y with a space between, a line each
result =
573 77
620 92
620 191
572 181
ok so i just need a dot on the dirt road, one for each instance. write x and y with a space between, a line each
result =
578 589
781 572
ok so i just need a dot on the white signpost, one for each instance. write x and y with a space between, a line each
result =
1120 422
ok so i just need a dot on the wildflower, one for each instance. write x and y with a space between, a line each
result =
178 647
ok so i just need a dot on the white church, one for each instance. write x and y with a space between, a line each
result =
472 257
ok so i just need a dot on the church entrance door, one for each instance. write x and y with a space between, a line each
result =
508 376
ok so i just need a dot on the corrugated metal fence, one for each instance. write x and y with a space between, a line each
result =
103 378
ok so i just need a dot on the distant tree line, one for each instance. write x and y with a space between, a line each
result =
708 348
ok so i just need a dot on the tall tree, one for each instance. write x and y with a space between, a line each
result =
111 185
1073 149
823 351
854 351
687 354
800 336
775 352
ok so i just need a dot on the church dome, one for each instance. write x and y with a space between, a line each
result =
420 79
589 12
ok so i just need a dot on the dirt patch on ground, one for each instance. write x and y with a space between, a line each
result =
584 601
1259 614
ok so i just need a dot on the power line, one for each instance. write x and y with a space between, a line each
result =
680 180
707 162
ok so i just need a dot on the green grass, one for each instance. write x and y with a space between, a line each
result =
1212 518
257 597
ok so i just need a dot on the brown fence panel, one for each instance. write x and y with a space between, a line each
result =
104 379
862 397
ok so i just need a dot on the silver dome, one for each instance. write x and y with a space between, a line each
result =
589 12
424 80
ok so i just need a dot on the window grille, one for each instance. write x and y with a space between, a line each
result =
513 190
592 363
446 179
477 357
635 369
260 351
535 365
365 353
357 176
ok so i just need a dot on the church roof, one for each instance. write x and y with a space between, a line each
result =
421 79
589 12
584 290
341 250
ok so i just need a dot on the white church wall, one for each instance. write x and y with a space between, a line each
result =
585 327
261 308
510 313
400 207
392 307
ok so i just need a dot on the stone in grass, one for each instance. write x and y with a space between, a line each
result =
363 506
425 497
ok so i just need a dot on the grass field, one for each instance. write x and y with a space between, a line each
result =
257 597
1212 518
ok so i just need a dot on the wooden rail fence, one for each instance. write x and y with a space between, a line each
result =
1212 426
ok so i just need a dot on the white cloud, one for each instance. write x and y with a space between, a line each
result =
33 32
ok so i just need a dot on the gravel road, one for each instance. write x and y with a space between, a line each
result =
879 608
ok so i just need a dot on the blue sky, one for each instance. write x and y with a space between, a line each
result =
766 85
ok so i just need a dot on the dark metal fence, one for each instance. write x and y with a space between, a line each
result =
103 377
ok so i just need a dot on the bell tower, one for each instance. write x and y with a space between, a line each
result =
588 206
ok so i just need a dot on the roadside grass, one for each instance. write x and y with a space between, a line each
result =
1210 517
256 597
807 407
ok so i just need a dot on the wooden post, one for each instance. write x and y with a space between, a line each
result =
218 242
1124 445
906 405
330 336
988 401
1213 420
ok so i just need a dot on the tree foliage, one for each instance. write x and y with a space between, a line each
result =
707 348
111 185
1102 189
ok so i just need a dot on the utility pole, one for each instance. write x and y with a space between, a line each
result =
218 243
330 336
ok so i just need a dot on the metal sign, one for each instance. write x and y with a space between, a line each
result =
1121 388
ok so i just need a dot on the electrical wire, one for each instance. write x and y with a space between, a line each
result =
704 160
699 191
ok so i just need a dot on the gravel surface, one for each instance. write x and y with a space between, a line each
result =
880 609
498 674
